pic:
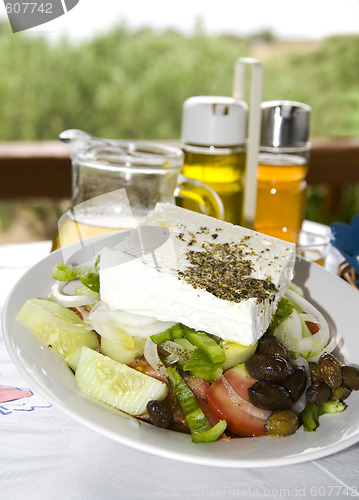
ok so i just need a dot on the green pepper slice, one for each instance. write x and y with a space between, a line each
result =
88 276
204 342
199 365
201 429
284 309
175 332
311 413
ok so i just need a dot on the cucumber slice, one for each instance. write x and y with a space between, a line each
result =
118 352
58 327
116 384
236 353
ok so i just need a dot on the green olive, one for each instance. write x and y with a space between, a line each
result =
282 423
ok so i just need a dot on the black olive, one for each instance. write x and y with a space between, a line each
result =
350 377
296 383
268 367
269 396
282 423
330 370
269 344
318 393
159 414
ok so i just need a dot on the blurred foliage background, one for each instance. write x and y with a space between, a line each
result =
128 84
132 84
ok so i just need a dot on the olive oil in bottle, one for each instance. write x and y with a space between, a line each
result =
214 144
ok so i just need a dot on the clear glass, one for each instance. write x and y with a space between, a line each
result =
313 247
115 184
310 246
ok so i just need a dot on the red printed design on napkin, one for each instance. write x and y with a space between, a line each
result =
12 393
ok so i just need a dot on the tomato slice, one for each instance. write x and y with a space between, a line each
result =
240 382
312 327
241 416
200 387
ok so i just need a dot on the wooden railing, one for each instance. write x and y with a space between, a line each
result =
43 169
34 170
334 164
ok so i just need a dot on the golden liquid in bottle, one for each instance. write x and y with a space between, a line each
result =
224 173
71 231
281 195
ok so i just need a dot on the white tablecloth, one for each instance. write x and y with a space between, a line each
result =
44 454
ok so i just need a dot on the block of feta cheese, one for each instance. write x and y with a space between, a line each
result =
207 274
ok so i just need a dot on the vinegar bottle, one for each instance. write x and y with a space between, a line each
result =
214 144
282 169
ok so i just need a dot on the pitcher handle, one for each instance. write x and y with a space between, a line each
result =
207 199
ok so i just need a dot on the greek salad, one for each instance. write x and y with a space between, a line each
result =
177 378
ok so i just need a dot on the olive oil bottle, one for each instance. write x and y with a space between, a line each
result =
214 144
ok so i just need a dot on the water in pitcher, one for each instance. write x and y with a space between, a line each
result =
72 229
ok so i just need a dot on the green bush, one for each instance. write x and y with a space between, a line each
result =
132 85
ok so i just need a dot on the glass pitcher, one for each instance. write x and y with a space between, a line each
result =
116 183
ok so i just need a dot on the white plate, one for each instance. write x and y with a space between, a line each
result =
49 375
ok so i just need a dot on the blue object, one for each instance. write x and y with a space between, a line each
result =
346 240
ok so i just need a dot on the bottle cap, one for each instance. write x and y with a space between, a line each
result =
284 124
214 121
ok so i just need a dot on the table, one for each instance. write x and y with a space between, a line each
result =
47 455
